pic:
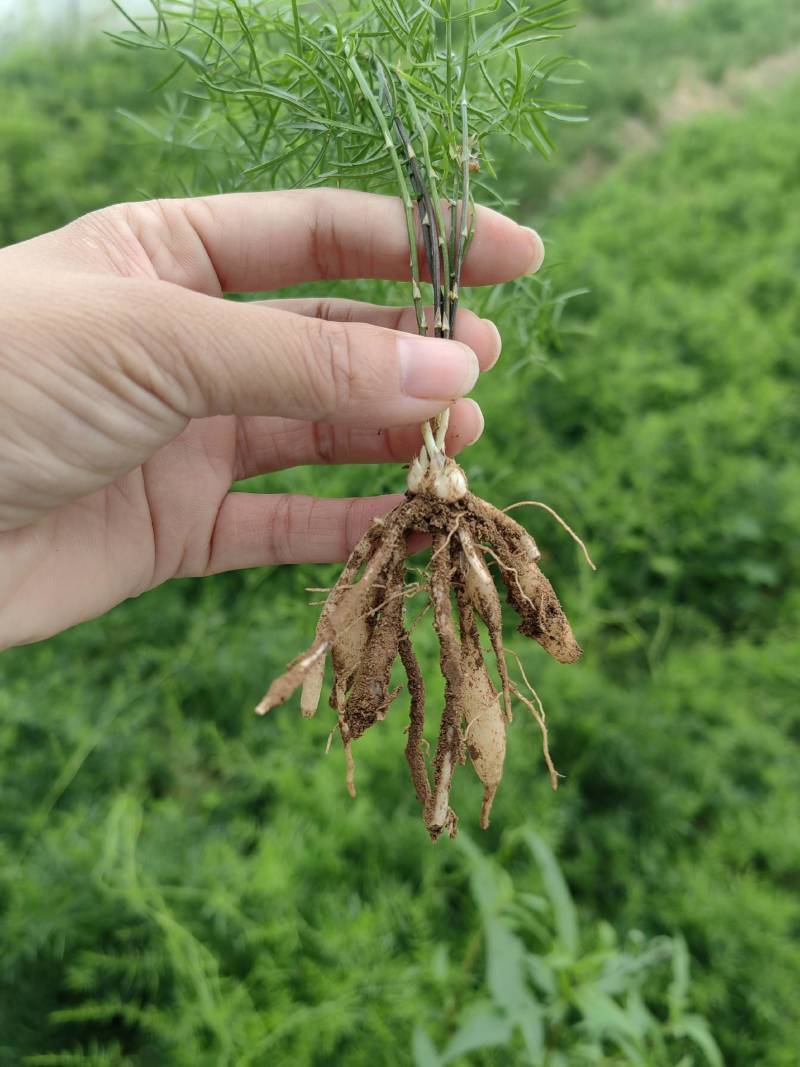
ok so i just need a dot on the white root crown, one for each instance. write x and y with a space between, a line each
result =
437 476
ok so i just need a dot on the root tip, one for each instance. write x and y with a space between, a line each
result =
350 779
486 807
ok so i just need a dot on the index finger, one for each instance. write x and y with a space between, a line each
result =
254 242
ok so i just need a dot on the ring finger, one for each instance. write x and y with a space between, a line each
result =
265 444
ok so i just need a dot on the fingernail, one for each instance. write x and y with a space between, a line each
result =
473 437
497 342
537 251
432 368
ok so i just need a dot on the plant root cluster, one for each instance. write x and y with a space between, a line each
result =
363 628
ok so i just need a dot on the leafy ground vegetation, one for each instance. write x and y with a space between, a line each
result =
63 151
181 883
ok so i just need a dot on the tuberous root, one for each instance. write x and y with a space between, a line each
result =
362 627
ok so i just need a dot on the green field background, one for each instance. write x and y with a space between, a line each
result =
182 883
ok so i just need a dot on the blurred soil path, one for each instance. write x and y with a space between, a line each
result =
691 95
694 95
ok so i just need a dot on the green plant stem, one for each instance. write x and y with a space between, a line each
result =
442 297
428 222
448 51
453 205
462 229
465 214
296 21
405 192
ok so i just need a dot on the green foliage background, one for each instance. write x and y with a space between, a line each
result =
180 883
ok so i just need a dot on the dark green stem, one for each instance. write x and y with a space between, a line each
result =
427 217
442 296
405 193
465 220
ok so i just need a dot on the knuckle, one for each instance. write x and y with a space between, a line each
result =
281 529
109 230
342 363
200 211
331 365
136 238
324 245
323 442
149 348
156 211
352 527
164 232
330 310
164 237
243 448
107 219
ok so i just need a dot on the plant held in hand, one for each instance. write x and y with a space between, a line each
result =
410 95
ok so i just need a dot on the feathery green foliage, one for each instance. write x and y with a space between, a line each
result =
61 153
283 93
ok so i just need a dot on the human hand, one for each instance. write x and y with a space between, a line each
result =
131 396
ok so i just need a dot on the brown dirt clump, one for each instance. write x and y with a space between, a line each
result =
363 627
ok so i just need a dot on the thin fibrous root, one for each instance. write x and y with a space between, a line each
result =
509 529
526 681
350 775
418 617
538 715
444 544
557 517
337 702
331 736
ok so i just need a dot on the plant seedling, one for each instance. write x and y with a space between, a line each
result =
408 95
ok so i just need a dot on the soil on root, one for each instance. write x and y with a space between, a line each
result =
363 626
